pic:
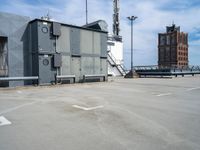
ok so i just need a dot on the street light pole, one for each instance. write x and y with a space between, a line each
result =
131 45
132 18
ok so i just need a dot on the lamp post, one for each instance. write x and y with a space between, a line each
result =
132 18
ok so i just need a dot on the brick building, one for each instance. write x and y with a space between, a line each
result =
173 48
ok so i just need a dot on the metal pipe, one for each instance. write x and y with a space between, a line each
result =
18 78
95 75
65 76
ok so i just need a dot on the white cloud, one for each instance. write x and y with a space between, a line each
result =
151 20
153 16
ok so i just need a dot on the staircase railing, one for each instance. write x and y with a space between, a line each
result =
119 67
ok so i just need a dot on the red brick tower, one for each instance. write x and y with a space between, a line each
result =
173 48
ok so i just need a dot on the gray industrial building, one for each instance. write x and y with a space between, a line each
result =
46 52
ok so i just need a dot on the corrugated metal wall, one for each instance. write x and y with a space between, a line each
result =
83 52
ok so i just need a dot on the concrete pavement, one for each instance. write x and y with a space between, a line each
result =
123 114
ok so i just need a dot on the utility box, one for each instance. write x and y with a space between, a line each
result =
56 29
57 59
43 47
46 71
71 50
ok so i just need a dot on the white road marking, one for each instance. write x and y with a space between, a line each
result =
17 107
19 92
87 109
164 94
191 89
4 121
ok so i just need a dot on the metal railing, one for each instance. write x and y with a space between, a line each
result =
167 71
119 67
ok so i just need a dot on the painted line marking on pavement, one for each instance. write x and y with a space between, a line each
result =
19 92
86 108
4 121
17 107
164 94
192 89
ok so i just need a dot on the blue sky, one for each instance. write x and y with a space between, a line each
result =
153 17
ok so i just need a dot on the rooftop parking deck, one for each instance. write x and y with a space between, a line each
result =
122 114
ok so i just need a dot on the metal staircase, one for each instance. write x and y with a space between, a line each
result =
112 61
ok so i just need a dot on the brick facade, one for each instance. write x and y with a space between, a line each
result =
173 48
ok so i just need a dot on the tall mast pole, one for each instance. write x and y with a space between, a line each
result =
86 4
116 19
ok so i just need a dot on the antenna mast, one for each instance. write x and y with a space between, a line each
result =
86 5
47 17
116 20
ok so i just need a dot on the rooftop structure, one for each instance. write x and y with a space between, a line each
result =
115 45
46 52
